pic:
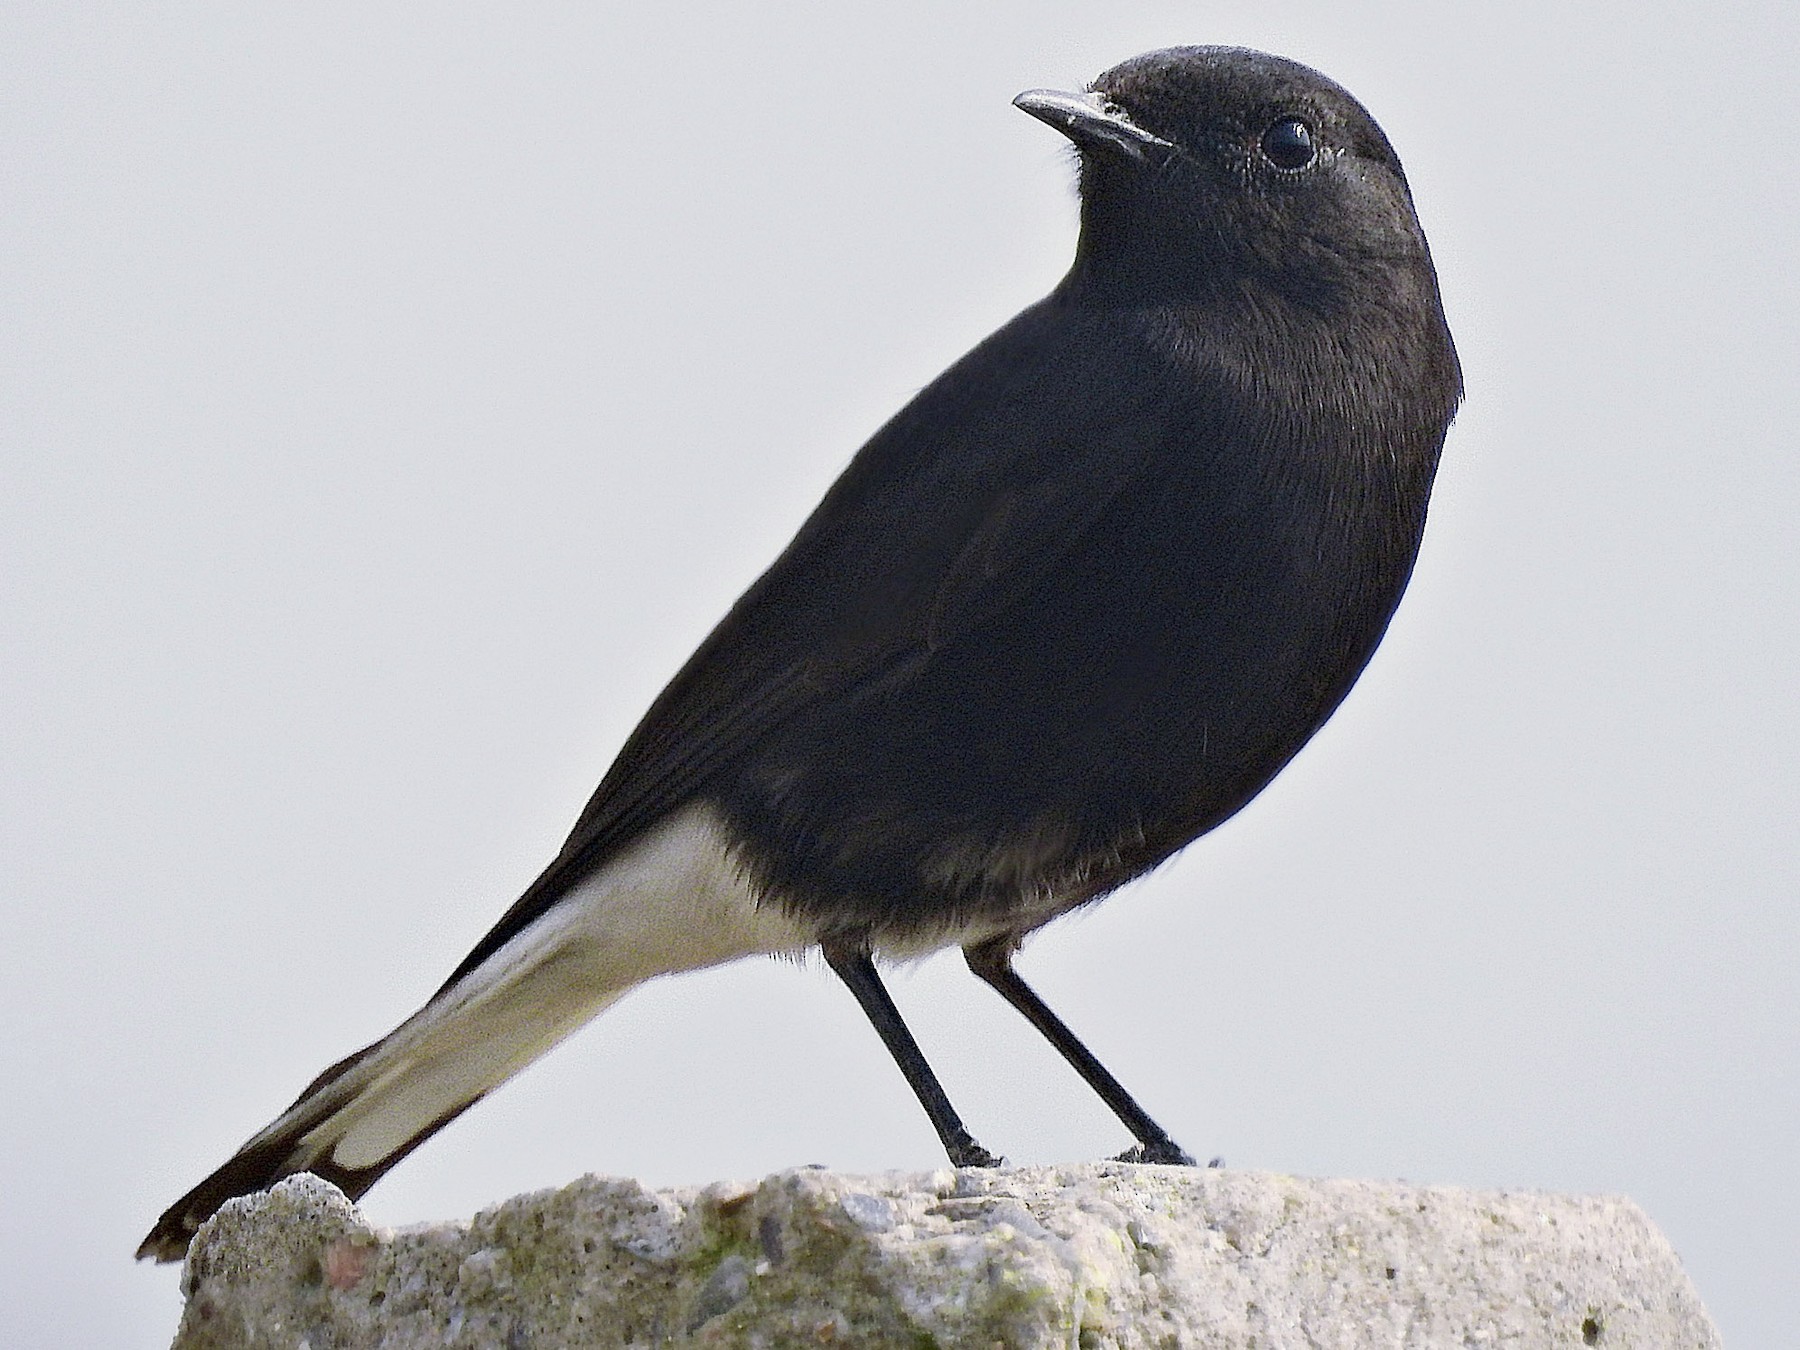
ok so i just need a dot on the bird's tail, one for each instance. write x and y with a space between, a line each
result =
674 901
368 1111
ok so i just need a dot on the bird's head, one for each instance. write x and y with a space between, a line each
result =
1216 169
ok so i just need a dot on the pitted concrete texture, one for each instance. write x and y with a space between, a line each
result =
1080 1258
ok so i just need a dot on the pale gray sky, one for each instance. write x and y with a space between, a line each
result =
394 395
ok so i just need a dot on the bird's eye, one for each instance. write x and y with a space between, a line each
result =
1288 144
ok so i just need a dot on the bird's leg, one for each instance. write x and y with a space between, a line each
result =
992 963
856 968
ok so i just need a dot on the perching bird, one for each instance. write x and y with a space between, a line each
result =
1076 604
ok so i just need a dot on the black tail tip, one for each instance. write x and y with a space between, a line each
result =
169 1240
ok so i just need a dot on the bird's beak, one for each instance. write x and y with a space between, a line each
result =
1093 122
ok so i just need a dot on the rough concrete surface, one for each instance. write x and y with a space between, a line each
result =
1085 1257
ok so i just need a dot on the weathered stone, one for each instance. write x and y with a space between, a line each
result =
1107 1255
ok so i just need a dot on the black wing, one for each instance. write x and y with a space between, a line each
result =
952 511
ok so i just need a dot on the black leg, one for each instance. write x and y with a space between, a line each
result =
992 963
855 968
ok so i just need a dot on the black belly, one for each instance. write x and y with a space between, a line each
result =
1132 699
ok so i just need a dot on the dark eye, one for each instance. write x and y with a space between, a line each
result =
1288 144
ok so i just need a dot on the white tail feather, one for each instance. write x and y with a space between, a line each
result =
674 901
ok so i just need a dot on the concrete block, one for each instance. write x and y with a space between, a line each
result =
1081 1258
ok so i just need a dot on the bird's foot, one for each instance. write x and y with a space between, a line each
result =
972 1154
1164 1150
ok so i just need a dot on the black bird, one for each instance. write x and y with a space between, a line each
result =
1071 608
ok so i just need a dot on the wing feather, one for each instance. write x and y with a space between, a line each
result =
953 511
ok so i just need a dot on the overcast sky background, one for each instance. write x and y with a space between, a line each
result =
392 396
